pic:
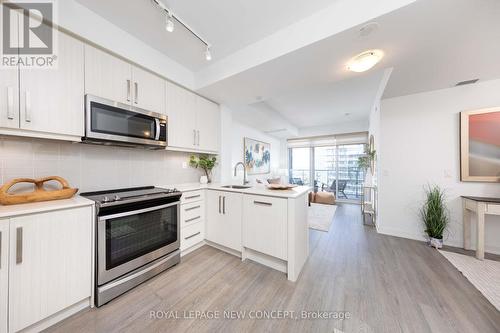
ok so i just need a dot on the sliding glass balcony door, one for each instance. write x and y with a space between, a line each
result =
299 164
332 168
350 176
325 168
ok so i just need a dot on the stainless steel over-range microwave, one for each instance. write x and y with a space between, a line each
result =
113 123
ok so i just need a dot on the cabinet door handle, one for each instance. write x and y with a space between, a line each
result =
0 250
19 245
262 203
194 137
193 219
136 92
196 234
27 107
219 204
193 196
191 208
224 205
198 137
128 90
10 103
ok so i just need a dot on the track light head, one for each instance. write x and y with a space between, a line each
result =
208 54
169 25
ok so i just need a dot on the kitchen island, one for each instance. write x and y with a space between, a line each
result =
256 223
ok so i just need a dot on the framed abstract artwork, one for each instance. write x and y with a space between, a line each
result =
480 145
257 156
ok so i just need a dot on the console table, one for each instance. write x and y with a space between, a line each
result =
481 206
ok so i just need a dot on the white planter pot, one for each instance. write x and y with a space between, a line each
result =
436 243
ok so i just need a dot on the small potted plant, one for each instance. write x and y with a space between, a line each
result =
205 162
435 215
365 162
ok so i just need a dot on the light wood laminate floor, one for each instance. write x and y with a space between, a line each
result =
386 284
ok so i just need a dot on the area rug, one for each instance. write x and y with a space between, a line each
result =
483 274
320 216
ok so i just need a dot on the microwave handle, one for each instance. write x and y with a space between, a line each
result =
157 136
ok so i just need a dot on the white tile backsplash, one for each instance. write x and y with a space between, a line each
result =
92 167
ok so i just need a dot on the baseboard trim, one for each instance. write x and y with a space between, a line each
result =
192 248
223 248
450 242
59 316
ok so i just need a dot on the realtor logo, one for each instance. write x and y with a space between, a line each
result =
28 35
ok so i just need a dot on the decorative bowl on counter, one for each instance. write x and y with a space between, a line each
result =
281 186
39 194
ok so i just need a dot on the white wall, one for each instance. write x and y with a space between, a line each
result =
338 128
420 145
91 167
85 23
233 133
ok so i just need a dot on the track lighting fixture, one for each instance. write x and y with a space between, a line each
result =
208 54
169 26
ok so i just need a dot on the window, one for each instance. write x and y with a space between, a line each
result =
299 166
331 166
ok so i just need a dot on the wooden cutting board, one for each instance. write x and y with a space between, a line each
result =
39 194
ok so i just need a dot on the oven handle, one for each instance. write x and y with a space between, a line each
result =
140 211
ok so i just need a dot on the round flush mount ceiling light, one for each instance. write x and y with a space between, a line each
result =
364 61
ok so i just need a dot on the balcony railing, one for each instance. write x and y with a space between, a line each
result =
352 175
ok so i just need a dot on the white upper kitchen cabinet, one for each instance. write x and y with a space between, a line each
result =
193 121
112 78
4 274
50 266
148 90
107 76
181 112
52 100
9 98
208 123
223 225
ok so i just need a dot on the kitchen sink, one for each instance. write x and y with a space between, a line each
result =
238 187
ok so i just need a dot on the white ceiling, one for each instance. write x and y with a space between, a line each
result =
337 102
228 25
429 44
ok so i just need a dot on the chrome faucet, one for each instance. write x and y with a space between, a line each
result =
245 181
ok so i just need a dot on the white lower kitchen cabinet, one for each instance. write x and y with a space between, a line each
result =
265 225
192 221
50 264
224 213
4 274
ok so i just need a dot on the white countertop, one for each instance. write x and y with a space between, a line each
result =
45 206
257 189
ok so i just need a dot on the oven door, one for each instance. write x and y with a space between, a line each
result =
115 122
129 240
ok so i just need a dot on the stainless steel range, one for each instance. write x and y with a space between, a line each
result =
137 237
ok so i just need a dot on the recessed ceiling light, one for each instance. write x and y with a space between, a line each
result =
364 61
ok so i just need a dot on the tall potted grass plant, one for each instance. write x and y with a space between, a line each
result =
435 215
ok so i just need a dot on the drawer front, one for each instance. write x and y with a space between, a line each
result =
493 209
192 196
471 205
265 225
192 213
192 235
